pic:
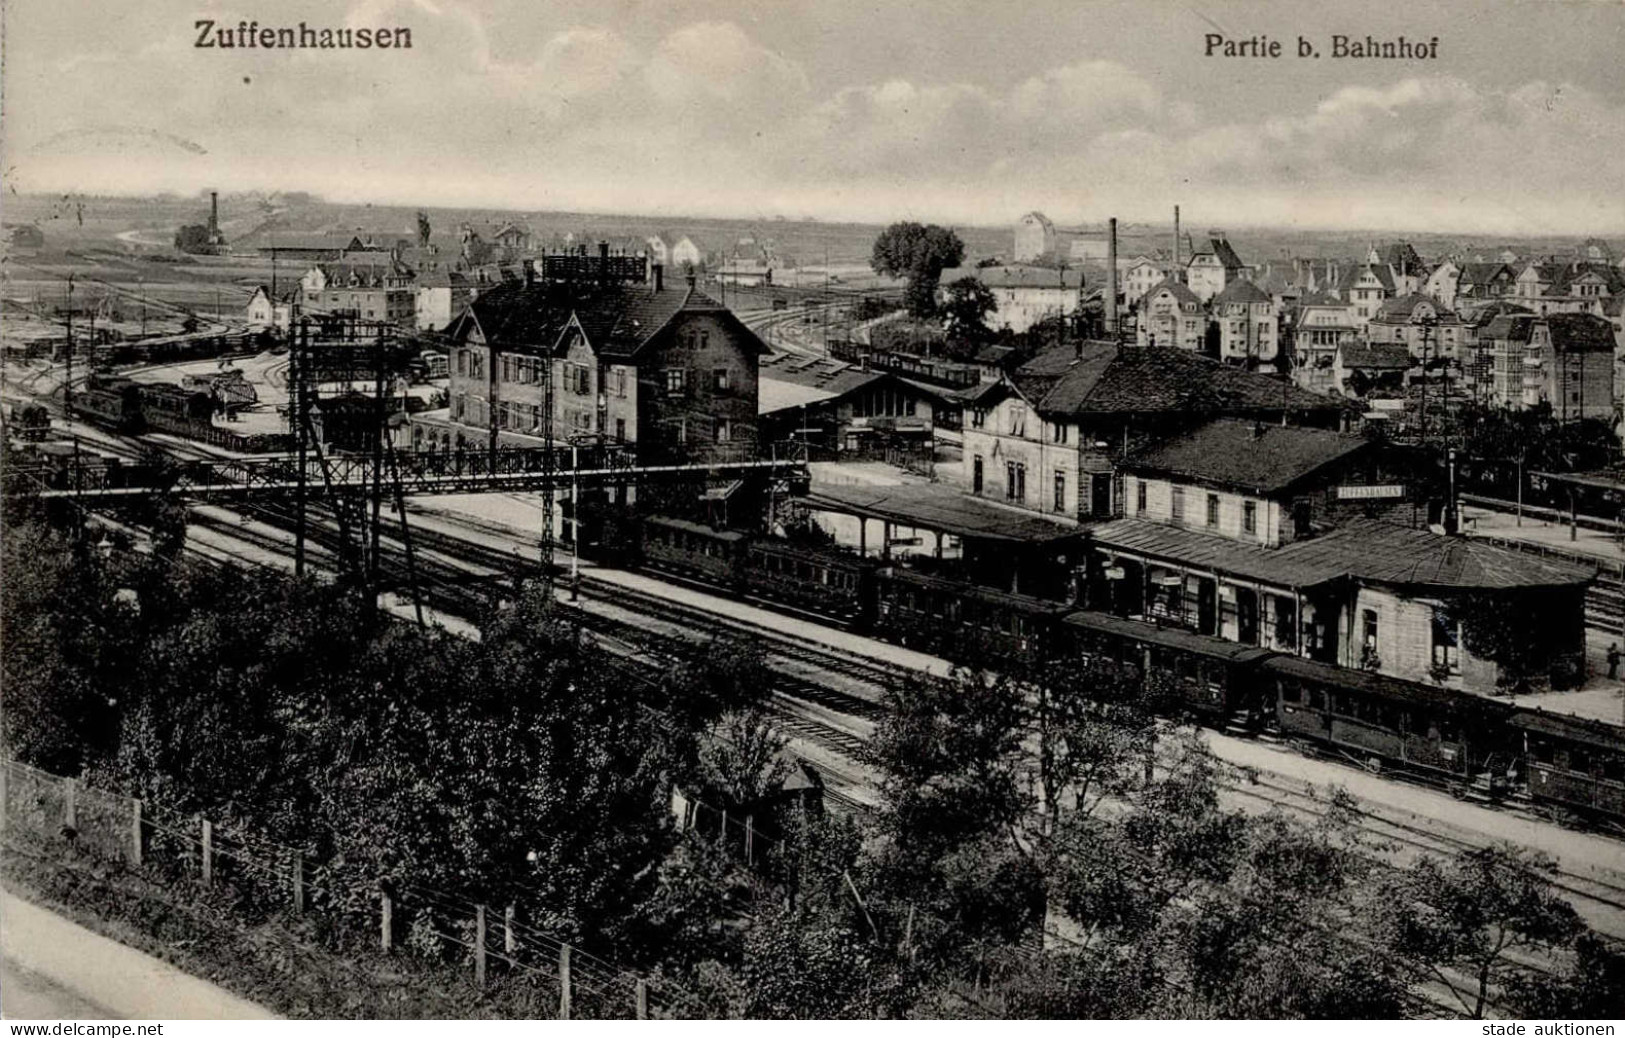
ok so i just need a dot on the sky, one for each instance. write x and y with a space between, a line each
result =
871 110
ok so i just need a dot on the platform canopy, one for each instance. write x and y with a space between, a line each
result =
930 506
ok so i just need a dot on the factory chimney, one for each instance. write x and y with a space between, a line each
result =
1111 279
1175 273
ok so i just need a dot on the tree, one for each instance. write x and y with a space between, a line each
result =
742 760
1469 919
1592 988
920 253
966 308
193 238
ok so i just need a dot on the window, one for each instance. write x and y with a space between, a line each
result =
1018 420
620 429
1213 509
719 379
674 380
976 474
1058 432
1060 491
620 382
1369 618
724 431
1249 516
1446 641
1015 485
977 417
1139 495
1178 504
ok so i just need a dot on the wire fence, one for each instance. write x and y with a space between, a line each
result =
493 942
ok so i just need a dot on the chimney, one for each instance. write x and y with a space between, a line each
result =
1176 241
1111 279
214 211
659 276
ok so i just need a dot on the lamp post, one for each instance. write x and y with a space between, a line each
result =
575 521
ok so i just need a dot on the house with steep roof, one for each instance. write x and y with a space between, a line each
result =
661 367
372 286
1210 269
1293 540
1047 436
441 295
1483 282
266 314
1249 325
1321 325
1564 360
1368 288
1421 324
1171 315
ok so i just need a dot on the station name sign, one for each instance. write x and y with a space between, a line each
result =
1380 492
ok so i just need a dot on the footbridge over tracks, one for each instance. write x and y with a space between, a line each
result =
102 481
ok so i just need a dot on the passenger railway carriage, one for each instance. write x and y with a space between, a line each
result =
961 621
831 583
694 550
1185 672
1380 721
1574 765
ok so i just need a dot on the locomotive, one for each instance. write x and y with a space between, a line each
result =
1466 743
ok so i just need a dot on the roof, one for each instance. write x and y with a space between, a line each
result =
1580 333
1220 247
1367 681
1511 327
692 527
1607 273
1181 293
1574 729
1017 276
1402 257
1171 637
1367 550
1015 603
787 381
1381 356
618 320
1249 456
934 507
994 354
1404 307
1241 290
1379 271
1482 273
1098 377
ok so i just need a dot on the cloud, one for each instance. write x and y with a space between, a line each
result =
529 111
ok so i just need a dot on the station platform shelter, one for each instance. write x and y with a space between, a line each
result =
943 530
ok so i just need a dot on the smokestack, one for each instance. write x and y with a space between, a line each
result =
1176 241
1111 278
214 211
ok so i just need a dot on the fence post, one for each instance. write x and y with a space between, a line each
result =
70 805
208 852
137 836
386 911
564 982
642 998
507 931
479 946
750 840
299 882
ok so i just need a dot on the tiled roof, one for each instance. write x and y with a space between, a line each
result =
809 382
1225 254
1403 307
1380 356
1241 290
618 320
1253 457
1378 270
1481 273
1365 549
1181 293
1511 327
1104 378
1580 333
1611 276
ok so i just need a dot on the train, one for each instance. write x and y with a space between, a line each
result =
126 406
1471 745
